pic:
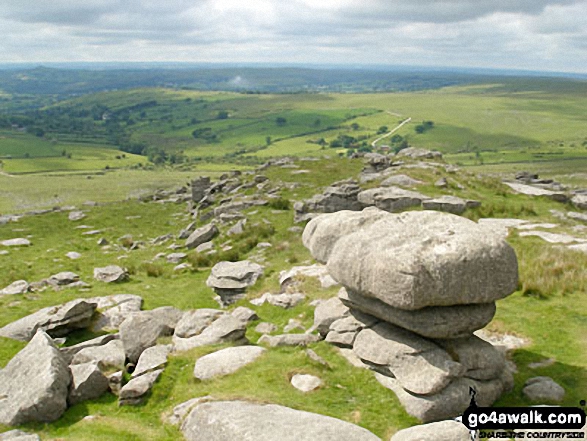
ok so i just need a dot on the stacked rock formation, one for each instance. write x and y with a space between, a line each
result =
417 285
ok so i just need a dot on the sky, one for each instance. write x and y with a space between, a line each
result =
544 35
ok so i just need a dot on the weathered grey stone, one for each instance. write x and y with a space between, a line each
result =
245 314
284 300
433 259
201 235
151 359
69 352
226 361
19 435
552 237
433 321
401 180
327 313
441 431
222 330
322 233
182 410
339 196
34 384
305 383
238 228
113 310
194 322
230 279
288 339
441 183
238 420
76 215
480 359
57 321
580 201
543 389
293 325
448 204
17 287
391 199
110 274
288 278
530 190
18 242
176 257
63 278
451 402
417 153
419 365
73 255
133 392
87 383
107 356
141 331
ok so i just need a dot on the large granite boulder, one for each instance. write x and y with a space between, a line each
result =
141 331
88 383
34 384
201 235
433 258
243 421
230 279
57 321
432 321
107 356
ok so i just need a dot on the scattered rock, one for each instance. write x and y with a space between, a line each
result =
441 183
552 237
133 392
106 356
417 153
113 310
245 314
401 180
580 201
239 420
57 321
265 328
448 204
285 301
182 410
315 357
226 361
18 242
293 325
140 331
63 278
201 235
541 389
230 279
223 329
151 359
111 274
17 287
76 215
238 228
288 278
530 190
391 199
306 383
73 255
327 313
18 435
87 383
176 257
69 352
288 339
34 384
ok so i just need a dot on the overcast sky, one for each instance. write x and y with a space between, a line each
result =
513 34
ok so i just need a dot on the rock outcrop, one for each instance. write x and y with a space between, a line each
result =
230 279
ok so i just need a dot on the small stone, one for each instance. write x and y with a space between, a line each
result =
266 328
293 325
19 242
73 255
17 287
539 389
306 383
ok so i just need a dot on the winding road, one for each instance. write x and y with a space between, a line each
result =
395 129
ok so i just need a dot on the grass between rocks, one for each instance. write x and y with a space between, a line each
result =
549 310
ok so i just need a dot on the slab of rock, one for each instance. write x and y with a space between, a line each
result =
18 242
288 278
391 199
327 313
17 287
530 190
418 153
230 279
73 255
113 310
19 435
57 321
194 322
176 257
284 300
451 402
448 430
201 235
552 237
110 274
401 180
133 392
76 215
541 389
238 228
151 359
141 331
500 226
480 359
243 421
580 201
433 259
63 278
182 410
322 233
448 204
222 330
34 384
68 352
432 321
305 383
87 383
265 328
582 217
226 361
288 339
419 365
106 356
245 314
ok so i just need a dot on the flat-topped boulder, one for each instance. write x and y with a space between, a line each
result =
201 235
401 180
530 190
111 274
580 201
16 287
197 330
392 199
57 321
243 421
17 242
226 361
230 279
34 384
448 204
415 259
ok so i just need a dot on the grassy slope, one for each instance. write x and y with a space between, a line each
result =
554 322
